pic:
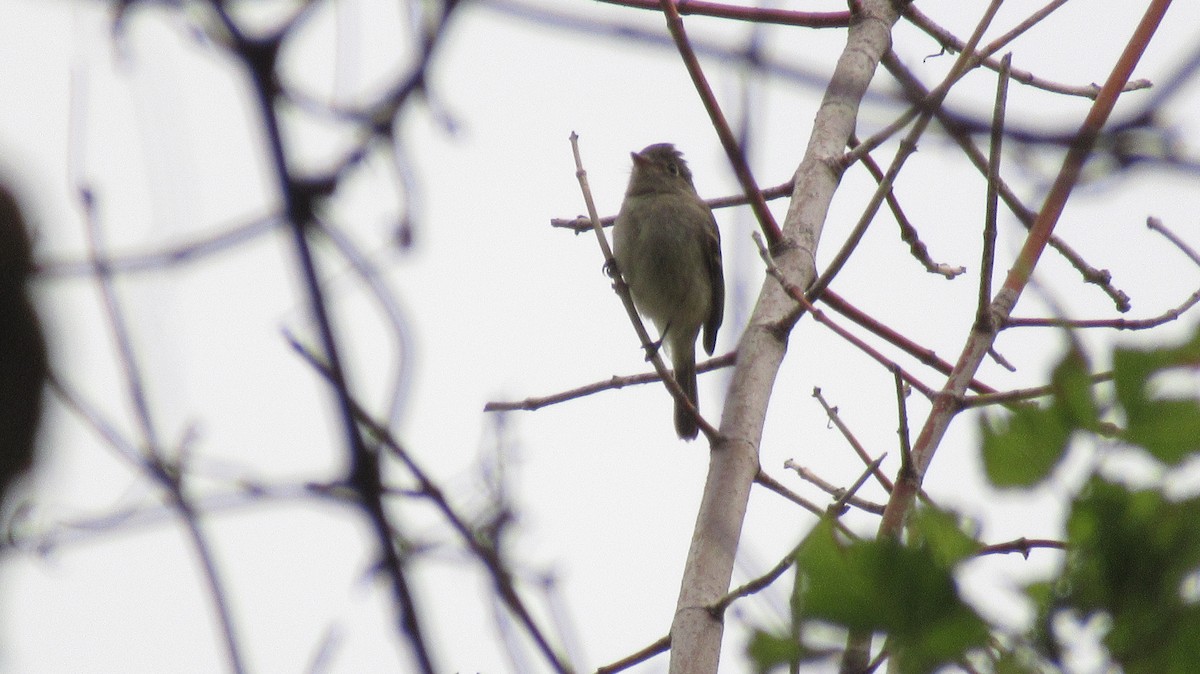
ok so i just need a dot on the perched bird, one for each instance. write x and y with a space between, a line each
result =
668 249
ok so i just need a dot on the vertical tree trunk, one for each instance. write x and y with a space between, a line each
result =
695 632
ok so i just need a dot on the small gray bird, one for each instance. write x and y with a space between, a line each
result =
668 249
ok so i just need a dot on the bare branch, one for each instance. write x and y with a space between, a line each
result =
616 382
952 44
737 158
753 14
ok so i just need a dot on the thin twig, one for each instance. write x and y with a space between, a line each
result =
983 316
908 233
1007 398
765 480
798 294
1026 215
1114 323
758 584
168 257
1021 545
661 646
953 45
832 489
1156 225
616 382
583 223
153 459
838 507
487 554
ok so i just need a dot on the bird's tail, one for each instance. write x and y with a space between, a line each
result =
685 374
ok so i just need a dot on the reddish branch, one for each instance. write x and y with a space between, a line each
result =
979 341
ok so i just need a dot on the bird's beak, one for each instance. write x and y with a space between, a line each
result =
639 159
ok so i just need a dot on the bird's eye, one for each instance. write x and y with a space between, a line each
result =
672 168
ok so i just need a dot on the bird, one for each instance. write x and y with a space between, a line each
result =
668 249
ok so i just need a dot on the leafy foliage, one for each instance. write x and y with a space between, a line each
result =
907 592
1133 561
1168 428
1026 449
1133 554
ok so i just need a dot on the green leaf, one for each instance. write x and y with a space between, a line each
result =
1131 552
941 531
1045 598
1019 662
1024 449
1073 399
1168 428
909 593
769 651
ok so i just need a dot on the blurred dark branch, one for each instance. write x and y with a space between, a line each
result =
260 56
168 475
811 77
167 257
480 546
389 306
24 362
626 32
954 45
741 13
242 496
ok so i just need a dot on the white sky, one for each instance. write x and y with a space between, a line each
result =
498 306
